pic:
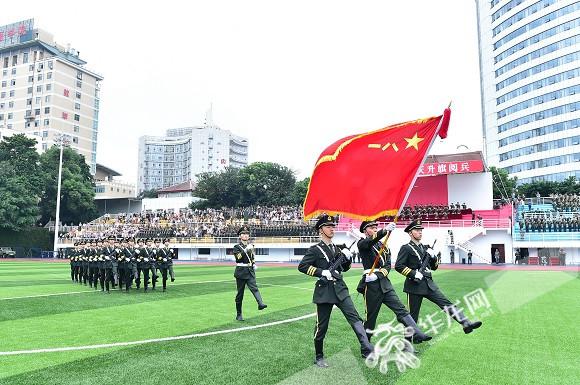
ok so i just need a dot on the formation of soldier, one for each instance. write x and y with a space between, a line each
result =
111 263
549 224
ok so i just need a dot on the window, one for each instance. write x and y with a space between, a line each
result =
79 84
12 93
47 99
13 71
76 128
14 60
2 94
29 102
49 87
30 79
49 75
37 112
47 110
31 67
75 140
4 84
77 106
6 59
47 122
13 82
45 134
77 117
39 89
50 64
10 104
10 115
44 146
79 75
39 77
29 90
25 58
37 100
78 95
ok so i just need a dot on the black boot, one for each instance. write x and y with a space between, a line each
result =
418 336
365 346
261 304
468 326
319 358
239 312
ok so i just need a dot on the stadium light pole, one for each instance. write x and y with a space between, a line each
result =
63 140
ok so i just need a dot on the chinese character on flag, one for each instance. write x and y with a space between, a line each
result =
343 183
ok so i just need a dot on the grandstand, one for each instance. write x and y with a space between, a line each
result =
453 197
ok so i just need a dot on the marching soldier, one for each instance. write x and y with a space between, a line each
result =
330 289
93 267
84 263
121 265
150 260
162 260
142 265
245 272
72 256
133 259
419 284
170 256
108 256
375 284
102 246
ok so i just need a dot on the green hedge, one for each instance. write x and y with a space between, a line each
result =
34 237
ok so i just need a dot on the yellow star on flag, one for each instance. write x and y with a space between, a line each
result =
413 142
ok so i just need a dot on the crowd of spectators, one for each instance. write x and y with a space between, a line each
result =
197 223
565 202
550 223
433 212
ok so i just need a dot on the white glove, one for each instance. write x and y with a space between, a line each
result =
255 267
326 273
146 259
371 277
107 258
164 259
249 248
431 253
347 253
418 275
391 227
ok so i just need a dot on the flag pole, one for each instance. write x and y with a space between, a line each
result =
409 189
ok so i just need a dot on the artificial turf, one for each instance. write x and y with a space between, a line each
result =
530 335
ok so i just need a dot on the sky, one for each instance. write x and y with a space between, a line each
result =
290 76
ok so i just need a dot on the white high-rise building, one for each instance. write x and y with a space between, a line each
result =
186 152
530 80
46 90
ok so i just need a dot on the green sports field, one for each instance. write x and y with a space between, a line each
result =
531 331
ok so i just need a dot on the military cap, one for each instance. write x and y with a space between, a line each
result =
166 240
157 240
76 244
325 220
414 225
365 224
243 230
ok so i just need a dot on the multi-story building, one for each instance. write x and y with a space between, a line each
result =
186 152
107 187
47 91
530 80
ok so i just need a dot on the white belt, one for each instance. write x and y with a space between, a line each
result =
243 264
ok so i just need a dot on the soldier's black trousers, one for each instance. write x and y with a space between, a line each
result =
145 271
241 284
72 273
374 298
163 276
435 296
109 278
102 277
323 311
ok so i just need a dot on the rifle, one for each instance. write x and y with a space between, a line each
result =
425 262
336 263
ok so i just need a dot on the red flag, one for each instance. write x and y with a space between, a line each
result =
367 176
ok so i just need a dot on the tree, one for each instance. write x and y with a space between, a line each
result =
545 188
266 183
148 194
503 185
219 189
299 192
77 202
20 182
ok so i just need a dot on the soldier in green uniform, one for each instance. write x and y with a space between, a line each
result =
93 265
330 289
419 285
102 247
108 252
245 273
121 266
375 284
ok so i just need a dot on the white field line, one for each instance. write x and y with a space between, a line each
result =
189 336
